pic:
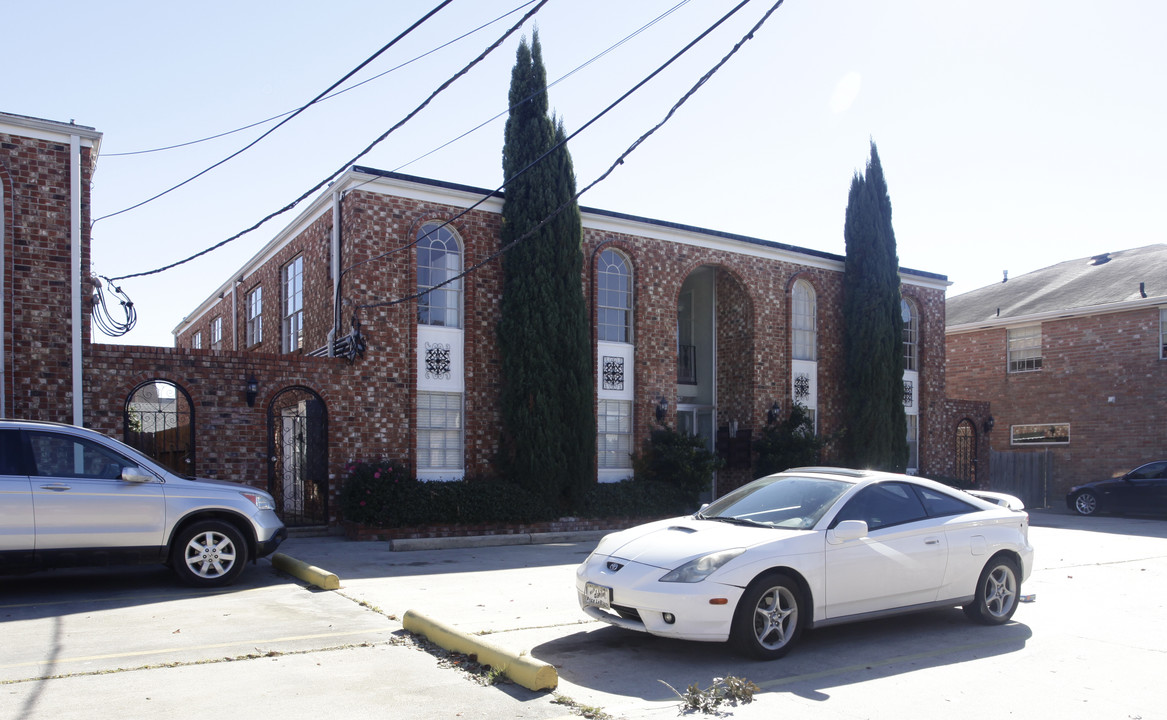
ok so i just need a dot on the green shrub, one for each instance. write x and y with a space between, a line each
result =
634 498
677 459
788 444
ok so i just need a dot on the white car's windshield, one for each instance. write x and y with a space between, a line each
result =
785 502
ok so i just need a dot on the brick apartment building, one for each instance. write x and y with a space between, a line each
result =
265 383
1073 360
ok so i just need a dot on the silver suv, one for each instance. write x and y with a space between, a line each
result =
70 496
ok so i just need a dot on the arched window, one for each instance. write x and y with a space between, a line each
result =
158 420
804 322
911 319
613 298
439 258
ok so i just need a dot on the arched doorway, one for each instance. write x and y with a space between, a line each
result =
157 420
966 453
298 456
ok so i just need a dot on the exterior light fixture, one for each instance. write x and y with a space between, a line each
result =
662 409
252 390
772 413
988 424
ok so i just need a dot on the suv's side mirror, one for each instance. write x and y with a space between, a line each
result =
136 475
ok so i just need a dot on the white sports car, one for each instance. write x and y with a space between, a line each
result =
811 547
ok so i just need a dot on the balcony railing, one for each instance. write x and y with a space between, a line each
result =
686 365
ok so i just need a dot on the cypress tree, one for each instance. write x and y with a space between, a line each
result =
548 417
875 426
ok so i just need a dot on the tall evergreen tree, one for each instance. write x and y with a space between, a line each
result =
548 420
875 426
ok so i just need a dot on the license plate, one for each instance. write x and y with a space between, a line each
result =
598 595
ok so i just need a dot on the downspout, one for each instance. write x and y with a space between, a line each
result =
335 249
3 310
234 315
75 246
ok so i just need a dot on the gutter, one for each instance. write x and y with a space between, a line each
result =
1087 311
75 246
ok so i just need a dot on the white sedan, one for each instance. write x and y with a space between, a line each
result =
811 547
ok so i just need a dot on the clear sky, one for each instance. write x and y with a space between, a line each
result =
1013 134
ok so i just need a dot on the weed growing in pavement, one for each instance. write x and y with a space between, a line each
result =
584 711
729 689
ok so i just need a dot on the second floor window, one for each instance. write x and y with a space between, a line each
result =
613 298
196 340
439 258
911 320
255 316
804 333
217 333
292 287
1025 349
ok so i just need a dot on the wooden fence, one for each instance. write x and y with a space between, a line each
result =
1023 474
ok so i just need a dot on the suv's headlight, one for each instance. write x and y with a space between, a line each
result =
701 568
262 501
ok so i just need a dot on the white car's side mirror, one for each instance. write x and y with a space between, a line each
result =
847 530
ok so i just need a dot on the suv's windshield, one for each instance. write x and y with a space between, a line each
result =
785 502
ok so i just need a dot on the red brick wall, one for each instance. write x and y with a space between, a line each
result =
38 269
1086 361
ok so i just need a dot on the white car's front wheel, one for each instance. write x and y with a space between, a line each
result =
768 619
997 592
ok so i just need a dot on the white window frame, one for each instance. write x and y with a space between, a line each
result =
439 258
614 436
196 340
292 302
254 303
1023 349
614 297
803 322
911 317
913 443
217 332
441 443
1163 333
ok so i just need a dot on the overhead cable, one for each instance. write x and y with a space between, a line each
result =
288 119
338 93
358 156
619 161
564 141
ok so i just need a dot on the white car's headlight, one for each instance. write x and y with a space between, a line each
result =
701 568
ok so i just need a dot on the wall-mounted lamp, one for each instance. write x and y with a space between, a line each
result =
662 409
773 413
252 389
988 424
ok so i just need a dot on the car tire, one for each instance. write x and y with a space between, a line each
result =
1086 503
769 617
997 594
210 553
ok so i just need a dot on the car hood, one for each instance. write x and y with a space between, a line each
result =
668 543
209 485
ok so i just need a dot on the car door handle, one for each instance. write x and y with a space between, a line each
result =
931 541
56 487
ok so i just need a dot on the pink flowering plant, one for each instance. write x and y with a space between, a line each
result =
372 487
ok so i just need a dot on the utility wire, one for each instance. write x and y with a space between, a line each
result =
619 161
358 156
288 119
338 93
559 144
103 318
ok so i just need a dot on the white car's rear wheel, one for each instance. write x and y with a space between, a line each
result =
997 592
769 617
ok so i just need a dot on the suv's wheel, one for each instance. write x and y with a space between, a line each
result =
997 592
209 553
768 620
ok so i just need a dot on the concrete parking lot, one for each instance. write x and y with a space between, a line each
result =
131 643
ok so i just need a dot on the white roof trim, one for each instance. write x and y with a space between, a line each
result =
1023 320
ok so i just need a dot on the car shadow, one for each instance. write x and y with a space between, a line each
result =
613 661
1131 524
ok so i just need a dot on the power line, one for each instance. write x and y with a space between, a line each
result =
338 93
358 156
537 160
288 119
619 161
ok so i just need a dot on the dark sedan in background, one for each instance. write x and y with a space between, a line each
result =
1142 490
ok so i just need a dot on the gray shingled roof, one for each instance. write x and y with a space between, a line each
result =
1072 285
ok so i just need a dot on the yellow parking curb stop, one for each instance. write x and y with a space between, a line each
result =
308 573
